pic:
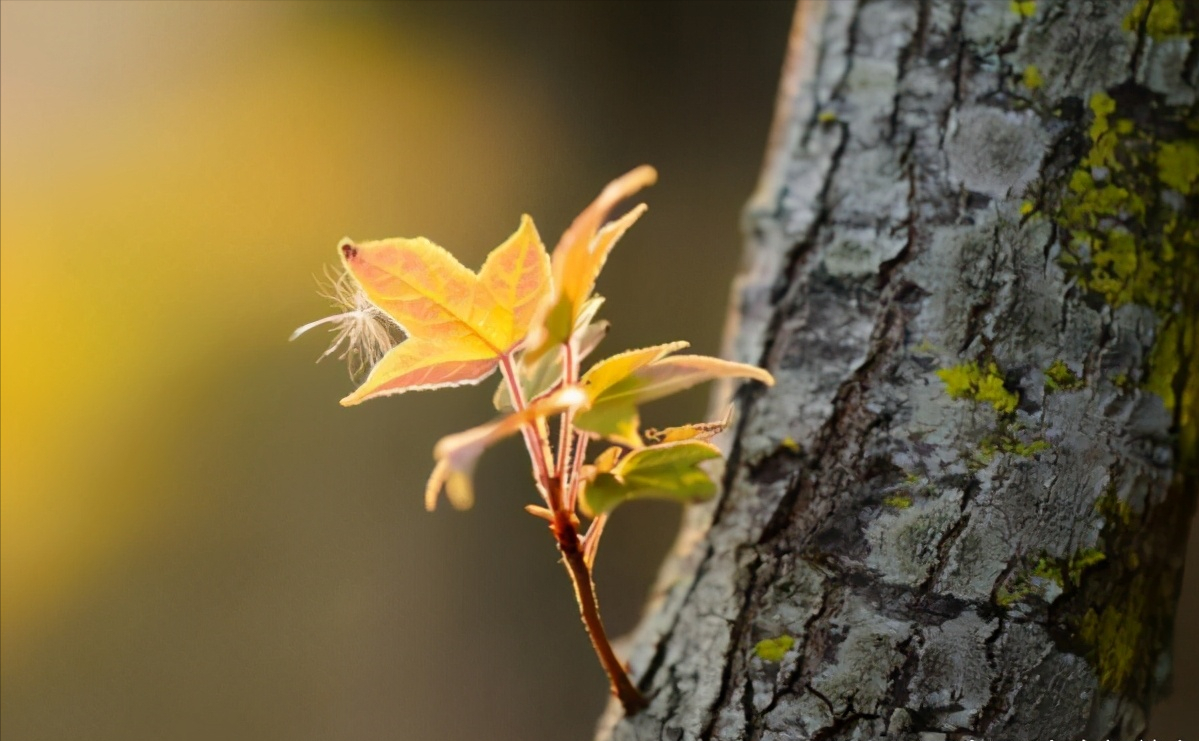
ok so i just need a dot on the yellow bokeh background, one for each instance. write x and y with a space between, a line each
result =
195 540
172 178
148 224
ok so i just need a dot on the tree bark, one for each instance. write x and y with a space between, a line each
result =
972 269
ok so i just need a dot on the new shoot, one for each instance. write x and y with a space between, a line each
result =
531 315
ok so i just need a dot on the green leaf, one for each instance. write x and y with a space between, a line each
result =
617 423
667 471
602 494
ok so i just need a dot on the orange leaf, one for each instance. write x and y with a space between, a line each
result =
458 322
516 276
579 257
456 454
418 364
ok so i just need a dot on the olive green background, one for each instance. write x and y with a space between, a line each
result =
197 541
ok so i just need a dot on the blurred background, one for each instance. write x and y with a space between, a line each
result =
197 541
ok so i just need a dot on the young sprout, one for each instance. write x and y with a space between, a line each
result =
532 316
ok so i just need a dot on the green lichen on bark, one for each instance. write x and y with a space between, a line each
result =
1162 19
1059 377
990 446
774 649
1048 578
1114 509
1007 597
1023 8
981 384
1048 568
1126 625
1031 77
1010 437
1082 560
1130 211
1115 635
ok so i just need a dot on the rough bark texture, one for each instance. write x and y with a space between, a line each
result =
972 269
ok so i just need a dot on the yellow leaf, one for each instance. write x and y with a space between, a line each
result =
613 411
516 277
580 268
610 371
606 461
697 431
671 375
457 454
461 322
579 257
418 364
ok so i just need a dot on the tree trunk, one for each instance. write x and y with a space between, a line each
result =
972 268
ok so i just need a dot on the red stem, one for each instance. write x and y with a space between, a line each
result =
580 576
561 493
533 440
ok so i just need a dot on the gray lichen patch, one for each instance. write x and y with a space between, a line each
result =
903 543
988 26
1164 69
1060 690
865 659
872 83
1016 143
857 253
952 680
827 337
976 557
788 606
1044 692
794 717
1080 64
968 255
791 600
873 186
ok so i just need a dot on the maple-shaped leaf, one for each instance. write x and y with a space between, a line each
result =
613 412
459 323
457 454
666 471
578 258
